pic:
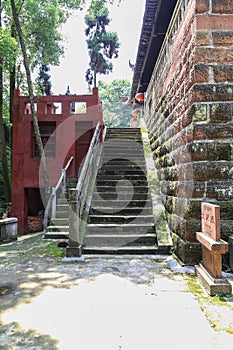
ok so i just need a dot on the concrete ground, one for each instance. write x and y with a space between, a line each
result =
105 303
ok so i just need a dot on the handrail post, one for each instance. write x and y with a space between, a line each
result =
63 180
54 202
75 246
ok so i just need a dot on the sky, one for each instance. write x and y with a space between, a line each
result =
126 21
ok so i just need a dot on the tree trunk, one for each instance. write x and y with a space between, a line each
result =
12 75
31 100
3 152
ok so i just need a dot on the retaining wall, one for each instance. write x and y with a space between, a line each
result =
189 115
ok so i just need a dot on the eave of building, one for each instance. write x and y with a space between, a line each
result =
156 20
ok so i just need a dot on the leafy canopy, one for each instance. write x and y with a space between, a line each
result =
102 45
115 113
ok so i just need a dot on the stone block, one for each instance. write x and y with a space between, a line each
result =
223 38
202 6
221 112
187 252
74 251
8 230
222 6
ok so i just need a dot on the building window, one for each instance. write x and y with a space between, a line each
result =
47 133
78 107
53 108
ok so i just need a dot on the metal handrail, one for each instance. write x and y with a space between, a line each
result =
62 178
52 199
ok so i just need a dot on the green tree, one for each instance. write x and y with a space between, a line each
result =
116 111
36 24
102 45
31 98
40 22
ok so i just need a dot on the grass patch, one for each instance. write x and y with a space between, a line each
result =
217 309
52 250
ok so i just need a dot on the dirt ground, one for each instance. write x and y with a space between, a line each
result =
111 302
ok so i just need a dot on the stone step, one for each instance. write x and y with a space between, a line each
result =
139 167
62 207
120 240
122 147
62 214
122 171
60 221
52 228
113 183
128 135
122 203
130 228
122 150
135 177
122 189
129 160
135 131
122 157
124 138
127 138
62 201
123 196
100 210
56 235
129 250
120 219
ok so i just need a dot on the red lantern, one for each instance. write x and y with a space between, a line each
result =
139 97
133 120
136 112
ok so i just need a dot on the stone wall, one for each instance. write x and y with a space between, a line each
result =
189 115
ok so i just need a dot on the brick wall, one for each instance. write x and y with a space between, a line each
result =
189 115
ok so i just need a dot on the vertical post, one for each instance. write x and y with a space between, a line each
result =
74 248
54 202
63 180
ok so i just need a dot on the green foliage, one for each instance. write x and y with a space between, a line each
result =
40 22
43 39
102 45
8 46
116 113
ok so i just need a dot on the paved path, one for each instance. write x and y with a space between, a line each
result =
110 303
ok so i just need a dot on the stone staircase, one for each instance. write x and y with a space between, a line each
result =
121 220
59 227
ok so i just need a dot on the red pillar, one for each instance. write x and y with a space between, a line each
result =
19 202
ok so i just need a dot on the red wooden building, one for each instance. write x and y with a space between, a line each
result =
67 123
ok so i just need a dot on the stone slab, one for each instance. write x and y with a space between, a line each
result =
212 285
8 229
